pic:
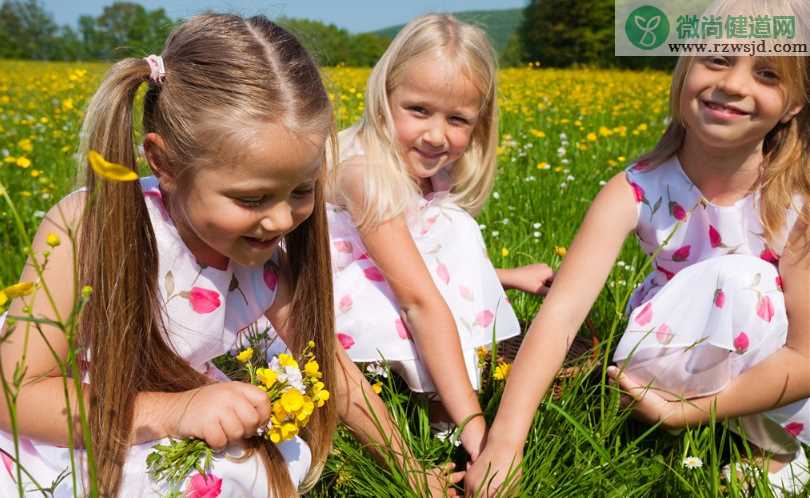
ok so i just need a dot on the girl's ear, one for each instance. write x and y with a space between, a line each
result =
154 149
791 113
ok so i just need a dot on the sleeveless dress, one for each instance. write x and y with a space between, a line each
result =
713 306
205 309
368 321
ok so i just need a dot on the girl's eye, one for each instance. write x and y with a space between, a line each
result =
418 110
715 61
768 75
303 191
250 201
459 120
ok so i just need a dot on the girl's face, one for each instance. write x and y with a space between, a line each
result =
241 211
435 110
733 101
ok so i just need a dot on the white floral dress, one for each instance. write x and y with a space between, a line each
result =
713 306
205 310
368 321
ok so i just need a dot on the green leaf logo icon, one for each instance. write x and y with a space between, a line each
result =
647 27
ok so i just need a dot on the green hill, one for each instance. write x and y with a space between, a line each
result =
499 24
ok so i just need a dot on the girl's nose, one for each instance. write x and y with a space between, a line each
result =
278 218
735 81
434 134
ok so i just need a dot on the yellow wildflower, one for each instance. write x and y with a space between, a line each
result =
67 104
592 137
3 298
26 145
275 436
537 133
86 291
23 162
543 165
291 400
53 240
502 371
377 387
312 369
482 353
288 430
110 171
19 290
35 173
10 159
286 360
561 251
245 356
504 252
266 376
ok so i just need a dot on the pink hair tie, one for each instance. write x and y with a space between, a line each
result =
158 70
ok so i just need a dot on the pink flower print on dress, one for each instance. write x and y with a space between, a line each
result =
667 273
270 277
343 246
443 274
765 308
402 329
677 211
682 253
362 256
779 282
373 273
741 343
641 166
638 192
345 340
794 428
342 255
663 334
345 303
158 196
714 237
645 315
204 486
465 292
719 298
429 222
203 300
768 255
8 463
484 318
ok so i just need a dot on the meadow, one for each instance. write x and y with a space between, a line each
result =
563 134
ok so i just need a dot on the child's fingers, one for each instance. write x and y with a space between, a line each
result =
215 436
456 477
256 397
232 425
249 417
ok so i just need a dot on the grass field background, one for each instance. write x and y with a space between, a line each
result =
563 133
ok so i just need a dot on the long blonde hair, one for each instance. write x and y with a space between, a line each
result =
225 75
387 185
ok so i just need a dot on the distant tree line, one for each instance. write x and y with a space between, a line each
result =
124 29
555 33
563 33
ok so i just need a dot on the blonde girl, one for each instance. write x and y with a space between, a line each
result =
229 233
723 196
413 284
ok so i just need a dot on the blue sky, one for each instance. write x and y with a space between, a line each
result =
355 15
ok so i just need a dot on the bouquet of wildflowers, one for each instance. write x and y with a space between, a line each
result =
292 391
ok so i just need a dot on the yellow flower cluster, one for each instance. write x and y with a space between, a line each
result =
294 393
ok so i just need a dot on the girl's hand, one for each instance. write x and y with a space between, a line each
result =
440 479
534 279
486 475
220 413
474 436
648 406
